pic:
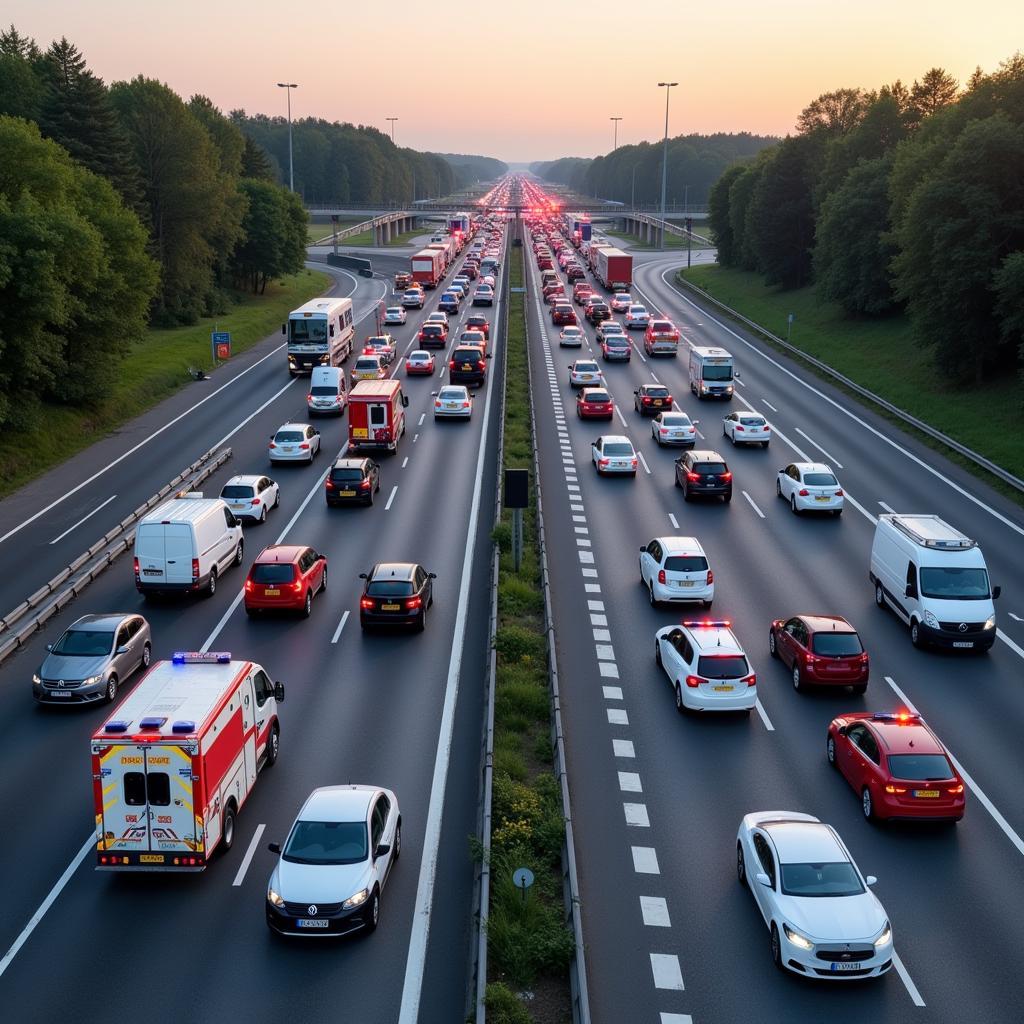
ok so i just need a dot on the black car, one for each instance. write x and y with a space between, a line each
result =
352 482
650 399
467 365
703 473
396 594
598 311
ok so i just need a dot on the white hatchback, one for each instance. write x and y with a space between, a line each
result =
584 373
571 336
810 487
395 315
295 442
676 570
706 666
614 453
637 318
746 428
251 497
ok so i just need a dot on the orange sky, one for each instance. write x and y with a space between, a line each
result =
534 84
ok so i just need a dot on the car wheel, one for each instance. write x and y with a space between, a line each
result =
686 493
227 833
792 505
263 514
111 691
837 512
211 587
396 846
916 637
798 679
657 652
277 498
323 581
675 480
741 867
307 606
421 623
773 647
866 804
776 946
373 913
650 591
680 706
830 752
147 656
727 497
860 689
778 489
238 553
879 595
273 745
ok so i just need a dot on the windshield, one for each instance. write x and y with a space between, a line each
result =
836 645
327 842
390 588
820 480
272 572
955 584
618 448
303 331
839 879
722 666
84 643
717 372
288 436
237 491
920 767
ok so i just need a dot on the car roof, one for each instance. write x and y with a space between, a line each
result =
798 842
292 425
676 544
612 438
245 478
280 553
714 639
350 463
101 620
419 352
393 570
338 803
704 455
827 623
910 737
812 467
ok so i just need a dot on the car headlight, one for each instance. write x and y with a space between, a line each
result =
797 939
990 623
275 899
930 620
356 899
91 681
35 679
886 937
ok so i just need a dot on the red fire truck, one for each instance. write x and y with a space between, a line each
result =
376 415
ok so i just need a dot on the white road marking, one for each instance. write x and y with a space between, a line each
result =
341 626
636 814
769 404
672 519
645 860
666 971
592 588
753 504
602 635
622 418
587 557
741 383
608 669
888 508
1016 618
598 620
833 461
675 1018
249 853
423 416
654 910
595 606
581 529
908 982
579 519
415 438
629 782
83 519
576 508
764 716
612 692
590 573
643 461
405 462
623 748
617 716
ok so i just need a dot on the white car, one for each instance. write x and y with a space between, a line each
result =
706 666
747 428
823 920
395 315
637 317
584 373
613 453
335 862
675 569
453 401
251 497
571 336
295 442
620 302
439 316
674 428
810 486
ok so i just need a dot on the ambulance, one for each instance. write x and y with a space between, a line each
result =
175 762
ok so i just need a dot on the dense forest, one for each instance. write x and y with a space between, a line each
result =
695 162
897 199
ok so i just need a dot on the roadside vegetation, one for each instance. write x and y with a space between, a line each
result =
364 240
530 946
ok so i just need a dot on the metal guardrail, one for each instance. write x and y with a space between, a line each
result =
112 544
925 428
366 225
670 229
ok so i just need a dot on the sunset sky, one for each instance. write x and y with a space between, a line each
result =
528 80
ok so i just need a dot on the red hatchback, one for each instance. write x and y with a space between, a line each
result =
820 649
285 577
594 404
897 765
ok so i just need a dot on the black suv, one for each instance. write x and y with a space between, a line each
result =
597 312
703 473
396 594
467 365
352 482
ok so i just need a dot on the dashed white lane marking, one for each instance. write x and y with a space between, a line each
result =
595 606
645 860
591 573
611 692
1016 618
618 412
620 748
764 716
672 519
979 794
908 982
675 1018
598 620
654 377
423 416
636 815
617 716
249 854
415 438
602 635
654 910
583 542
576 508
391 497
88 515
592 588
753 504
580 529
608 669
740 382
587 557
769 404
341 626
888 508
629 782
666 971
833 461
405 462
643 462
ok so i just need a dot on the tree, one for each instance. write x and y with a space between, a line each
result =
741 194
1008 286
256 163
13 44
935 90
834 113
273 241
226 136
718 215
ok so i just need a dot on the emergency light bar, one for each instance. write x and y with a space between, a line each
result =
707 623
152 723
201 657
116 725
896 716
183 726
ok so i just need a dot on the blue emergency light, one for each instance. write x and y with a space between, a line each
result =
183 726
707 623
152 723
201 657
116 725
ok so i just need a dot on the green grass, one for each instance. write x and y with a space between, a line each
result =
364 239
315 230
156 367
882 356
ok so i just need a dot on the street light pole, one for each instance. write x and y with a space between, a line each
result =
615 137
632 193
392 120
668 87
291 163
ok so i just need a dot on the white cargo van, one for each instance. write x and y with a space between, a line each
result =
327 392
935 578
711 372
185 544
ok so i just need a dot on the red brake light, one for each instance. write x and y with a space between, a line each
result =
661 577
255 501
694 681
297 587
711 578
195 569
727 476
839 493
603 462
693 477
955 790
304 445
451 364
272 445
364 485
136 566
803 492
366 602
893 789
750 680
330 485
739 428
413 602
248 586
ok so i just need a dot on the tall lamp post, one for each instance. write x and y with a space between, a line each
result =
291 163
668 87
615 137
632 193
392 120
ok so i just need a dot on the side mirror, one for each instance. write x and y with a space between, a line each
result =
432 575
123 649
284 329
490 355
763 879
362 575
996 591
842 730
279 691
736 374
405 401
49 647
870 879
643 549
433 394
274 847
382 848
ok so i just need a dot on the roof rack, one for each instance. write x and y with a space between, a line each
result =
931 532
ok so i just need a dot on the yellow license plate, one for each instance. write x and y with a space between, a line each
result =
926 792
151 858
390 607
822 497
723 689
272 593
360 432
467 366
348 494
657 401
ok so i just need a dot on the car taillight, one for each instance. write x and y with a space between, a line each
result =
863 657
750 680
195 568
710 578
661 577
479 364
135 562
767 428
413 602
255 501
366 602
738 429
437 403
803 492
304 445
297 587
248 586
693 477
309 397
451 364
329 485
694 681
894 789
955 790
727 476
272 445
603 462
646 400
633 461
839 493
809 660
465 405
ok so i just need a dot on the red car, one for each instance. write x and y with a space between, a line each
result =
402 280
663 329
562 313
478 322
897 766
285 577
433 335
545 263
581 291
594 404
820 649
553 292
419 362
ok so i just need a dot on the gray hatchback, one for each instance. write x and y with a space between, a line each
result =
94 655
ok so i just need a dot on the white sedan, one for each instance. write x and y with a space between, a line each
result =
746 428
637 318
251 497
295 442
584 372
674 428
613 453
810 487
823 920
453 402
571 336
395 315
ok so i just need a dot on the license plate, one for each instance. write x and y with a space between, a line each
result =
348 494
931 793
821 497
390 607
963 643
585 376
151 858
466 366
272 593
360 432
309 923
451 405
287 448
57 693
152 572
657 401
854 966
685 583
723 689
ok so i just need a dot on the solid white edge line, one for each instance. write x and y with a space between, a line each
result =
416 956
908 982
341 626
249 854
391 498
88 515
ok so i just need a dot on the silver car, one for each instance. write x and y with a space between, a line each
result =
93 657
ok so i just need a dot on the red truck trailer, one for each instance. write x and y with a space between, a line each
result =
428 267
376 415
614 269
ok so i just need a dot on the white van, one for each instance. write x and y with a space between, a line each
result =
327 392
935 578
185 544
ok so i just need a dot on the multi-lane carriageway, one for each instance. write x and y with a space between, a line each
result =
669 933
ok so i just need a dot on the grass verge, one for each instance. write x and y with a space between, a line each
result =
529 944
156 367
882 356
364 239
315 230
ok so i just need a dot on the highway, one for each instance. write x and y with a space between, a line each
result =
402 712
657 797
